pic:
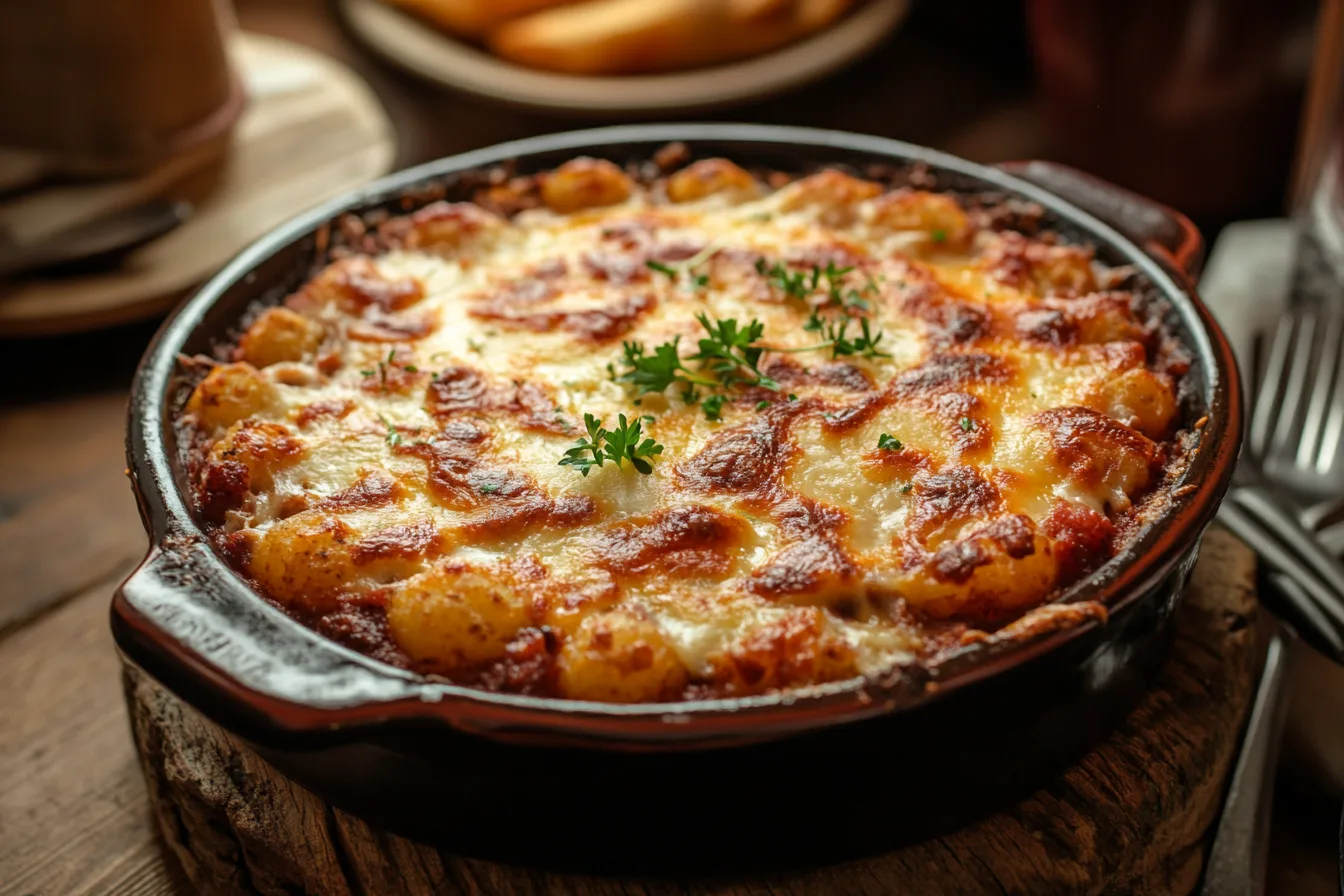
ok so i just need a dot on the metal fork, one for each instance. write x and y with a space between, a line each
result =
1296 437
1297 427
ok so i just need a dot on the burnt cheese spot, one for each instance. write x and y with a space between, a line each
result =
744 459
956 561
356 285
457 389
336 408
380 327
1022 263
809 566
801 516
617 268
505 501
1089 443
950 320
834 374
682 541
945 372
528 508
464 390
451 458
1048 325
409 541
375 488
614 318
951 495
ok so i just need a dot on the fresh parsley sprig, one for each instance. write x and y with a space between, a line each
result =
655 372
888 442
619 445
727 351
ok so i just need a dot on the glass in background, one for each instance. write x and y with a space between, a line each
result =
1318 195
1195 103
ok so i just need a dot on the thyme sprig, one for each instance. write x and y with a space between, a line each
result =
821 290
693 280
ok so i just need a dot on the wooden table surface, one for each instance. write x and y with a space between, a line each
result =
73 812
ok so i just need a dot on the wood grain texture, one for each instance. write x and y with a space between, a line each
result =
1129 818
73 818
67 518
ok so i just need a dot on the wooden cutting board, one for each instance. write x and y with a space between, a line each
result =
311 130
1131 818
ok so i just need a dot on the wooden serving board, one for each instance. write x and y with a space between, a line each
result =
1133 817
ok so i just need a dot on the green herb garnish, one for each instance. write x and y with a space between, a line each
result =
655 372
967 424
619 445
393 437
693 280
729 351
713 407
889 443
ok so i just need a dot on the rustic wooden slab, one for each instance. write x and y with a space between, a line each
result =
1130 818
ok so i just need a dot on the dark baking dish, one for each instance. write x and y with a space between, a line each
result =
447 762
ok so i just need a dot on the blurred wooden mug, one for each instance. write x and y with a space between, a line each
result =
115 88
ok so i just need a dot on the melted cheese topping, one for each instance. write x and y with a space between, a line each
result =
382 457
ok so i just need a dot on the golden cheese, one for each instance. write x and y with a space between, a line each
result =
382 454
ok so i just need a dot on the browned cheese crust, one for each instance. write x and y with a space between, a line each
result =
941 423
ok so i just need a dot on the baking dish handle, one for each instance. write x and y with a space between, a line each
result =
183 618
1161 231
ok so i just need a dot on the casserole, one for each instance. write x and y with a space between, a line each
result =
380 740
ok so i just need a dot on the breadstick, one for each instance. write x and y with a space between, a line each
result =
473 18
609 37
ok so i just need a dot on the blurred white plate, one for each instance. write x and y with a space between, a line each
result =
432 54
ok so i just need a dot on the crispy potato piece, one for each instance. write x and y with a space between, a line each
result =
937 213
619 657
584 183
608 37
1104 455
305 561
800 647
709 176
454 618
229 393
262 448
447 227
473 18
1138 398
990 571
279 335
831 195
